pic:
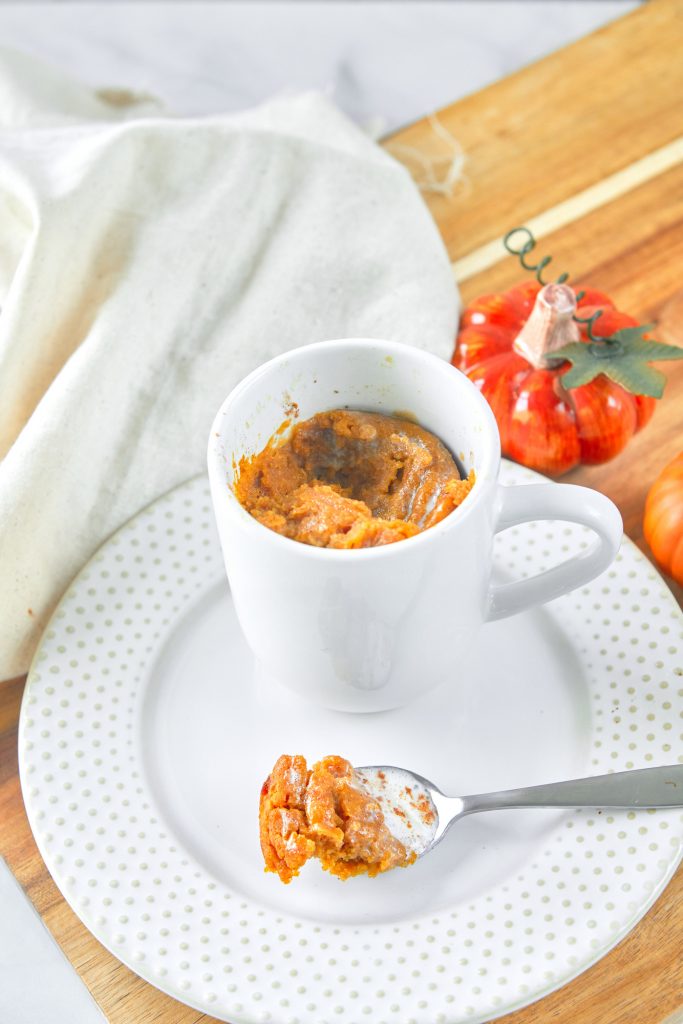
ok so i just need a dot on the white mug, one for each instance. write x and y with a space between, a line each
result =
372 629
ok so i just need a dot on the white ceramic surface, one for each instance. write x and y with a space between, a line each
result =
144 739
362 630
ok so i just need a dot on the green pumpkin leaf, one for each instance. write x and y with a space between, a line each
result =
652 351
633 333
585 367
580 375
636 377
624 358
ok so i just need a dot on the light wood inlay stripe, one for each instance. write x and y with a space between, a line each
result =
576 206
675 1018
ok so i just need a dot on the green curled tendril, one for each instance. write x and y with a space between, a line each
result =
588 322
527 246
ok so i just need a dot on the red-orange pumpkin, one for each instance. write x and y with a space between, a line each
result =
663 523
542 424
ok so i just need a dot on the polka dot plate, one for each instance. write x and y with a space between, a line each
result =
146 731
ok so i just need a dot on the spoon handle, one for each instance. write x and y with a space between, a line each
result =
645 787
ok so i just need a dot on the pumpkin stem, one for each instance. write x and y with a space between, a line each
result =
550 325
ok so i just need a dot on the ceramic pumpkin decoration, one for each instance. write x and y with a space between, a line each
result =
566 374
663 523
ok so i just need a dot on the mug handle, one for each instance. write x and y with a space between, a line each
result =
568 502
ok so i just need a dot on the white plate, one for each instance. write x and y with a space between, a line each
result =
144 738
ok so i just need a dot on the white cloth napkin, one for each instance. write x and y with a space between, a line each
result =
147 263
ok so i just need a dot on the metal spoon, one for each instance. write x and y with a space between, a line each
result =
419 814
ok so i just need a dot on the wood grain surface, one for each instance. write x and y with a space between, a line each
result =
534 144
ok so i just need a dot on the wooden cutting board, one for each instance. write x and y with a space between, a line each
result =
586 148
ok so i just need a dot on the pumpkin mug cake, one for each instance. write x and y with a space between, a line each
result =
352 617
346 479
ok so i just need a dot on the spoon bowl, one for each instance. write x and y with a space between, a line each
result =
419 814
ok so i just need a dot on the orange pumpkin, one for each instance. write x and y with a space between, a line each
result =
663 523
505 347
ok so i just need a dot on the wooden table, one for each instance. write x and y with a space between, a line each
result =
585 147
